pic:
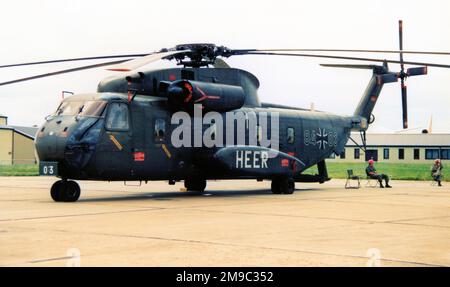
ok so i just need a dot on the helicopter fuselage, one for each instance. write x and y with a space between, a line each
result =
133 141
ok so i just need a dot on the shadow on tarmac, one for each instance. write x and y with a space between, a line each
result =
176 195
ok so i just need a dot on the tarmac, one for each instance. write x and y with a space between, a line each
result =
233 223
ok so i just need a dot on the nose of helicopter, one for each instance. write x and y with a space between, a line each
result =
51 140
59 138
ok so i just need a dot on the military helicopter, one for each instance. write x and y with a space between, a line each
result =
125 131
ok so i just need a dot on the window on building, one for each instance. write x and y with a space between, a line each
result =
416 153
431 153
401 153
118 117
160 130
356 153
290 135
386 153
445 153
342 154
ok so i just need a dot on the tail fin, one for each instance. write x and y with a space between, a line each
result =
380 76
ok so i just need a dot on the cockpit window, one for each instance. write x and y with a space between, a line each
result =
92 108
69 108
86 109
118 117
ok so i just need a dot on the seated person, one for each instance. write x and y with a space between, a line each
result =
372 173
436 171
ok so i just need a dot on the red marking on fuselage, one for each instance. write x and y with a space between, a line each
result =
139 156
205 96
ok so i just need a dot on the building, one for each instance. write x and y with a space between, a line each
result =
398 148
16 143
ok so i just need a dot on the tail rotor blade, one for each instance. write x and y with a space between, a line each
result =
404 104
400 39
416 71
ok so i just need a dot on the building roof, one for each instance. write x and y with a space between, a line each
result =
399 139
29 132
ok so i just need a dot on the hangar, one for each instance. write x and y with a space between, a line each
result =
397 148
16 143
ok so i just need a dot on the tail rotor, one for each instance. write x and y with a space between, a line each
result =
403 76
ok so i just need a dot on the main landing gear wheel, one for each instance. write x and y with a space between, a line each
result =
65 191
195 184
283 185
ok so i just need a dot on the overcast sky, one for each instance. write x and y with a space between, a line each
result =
42 30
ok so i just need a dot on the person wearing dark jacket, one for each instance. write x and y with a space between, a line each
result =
436 171
372 173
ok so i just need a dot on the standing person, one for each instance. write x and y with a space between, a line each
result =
372 173
436 171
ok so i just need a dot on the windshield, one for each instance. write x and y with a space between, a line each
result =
84 109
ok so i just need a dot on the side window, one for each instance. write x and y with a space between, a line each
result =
118 117
160 130
290 135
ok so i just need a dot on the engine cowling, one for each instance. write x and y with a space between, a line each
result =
184 94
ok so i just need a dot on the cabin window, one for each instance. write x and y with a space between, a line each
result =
258 133
160 130
118 117
213 132
445 153
342 154
290 135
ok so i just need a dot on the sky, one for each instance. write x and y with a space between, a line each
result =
51 29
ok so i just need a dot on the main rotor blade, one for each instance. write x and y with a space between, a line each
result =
142 61
63 72
443 53
346 58
349 66
73 60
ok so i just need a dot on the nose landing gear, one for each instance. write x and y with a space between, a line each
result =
65 191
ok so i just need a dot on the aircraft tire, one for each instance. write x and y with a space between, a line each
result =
195 184
55 191
276 186
70 191
283 185
288 186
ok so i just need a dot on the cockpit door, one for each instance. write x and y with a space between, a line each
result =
116 147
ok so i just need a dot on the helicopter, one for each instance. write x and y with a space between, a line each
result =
173 124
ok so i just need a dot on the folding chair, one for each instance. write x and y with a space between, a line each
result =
350 177
371 182
433 182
